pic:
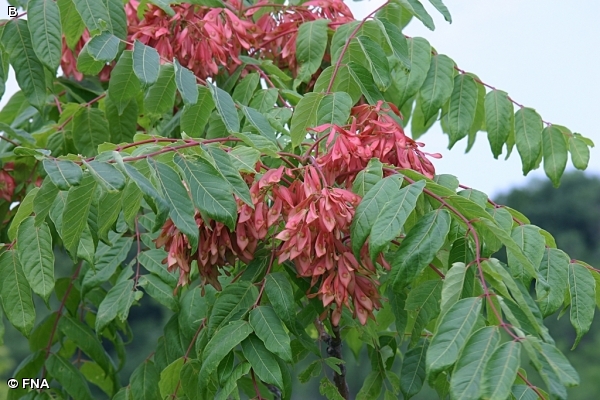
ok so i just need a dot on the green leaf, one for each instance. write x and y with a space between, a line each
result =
24 210
244 158
226 108
561 366
528 137
270 330
122 127
181 209
328 389
419 247
142 182
262 361
34 246
423 303
334 108
159 291
452 332
68 376
368 210
186 83
364 79
462 106
393 215
512 248
465 383
531 243
63 173
408 83
75 213
91 129
258 142
160 97
371 388
144 382
244 90
92 13
117 20
232 382
417 9
554 269
109 207
260 123
117 303
264 100
582 291
107 260
368 177
192 307
343 82
233 302
29 71
412 375
72 24
313 370
96 376
195 116
106 175
305 116
169 378
376 61
554 150
86 340
16 293
146 63
210 191
86 64
396 40
580 152
103 47
439 5
498 110
311 43
224 165
152 261
43 200
501 370
44 18
221 343
453 286
438 85
280 294
124 85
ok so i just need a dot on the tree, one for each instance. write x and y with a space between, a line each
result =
253 157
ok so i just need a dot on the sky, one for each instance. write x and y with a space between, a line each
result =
544 53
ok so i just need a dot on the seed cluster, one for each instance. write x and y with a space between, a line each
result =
306 215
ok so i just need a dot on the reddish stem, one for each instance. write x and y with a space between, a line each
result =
59 314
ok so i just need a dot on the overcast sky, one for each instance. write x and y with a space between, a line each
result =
544 53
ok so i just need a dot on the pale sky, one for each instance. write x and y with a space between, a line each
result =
544 53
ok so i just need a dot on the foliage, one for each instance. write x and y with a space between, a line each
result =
254 159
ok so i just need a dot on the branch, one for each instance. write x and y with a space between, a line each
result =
531 386
335 350
13 18
9 140
59 314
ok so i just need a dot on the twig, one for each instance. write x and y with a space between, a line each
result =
9 140
531 386
59 314
335 350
